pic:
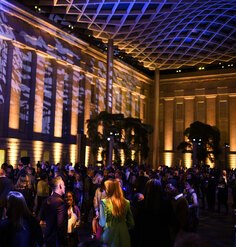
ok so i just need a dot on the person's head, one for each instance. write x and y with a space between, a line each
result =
16 208
189 184
20 165
23 182
70 198
118 174
224 173
78 176
29 170
71 171
113 188
171 190
4 166
90 172
153 194
137 198
58 185
102 186
141 173
97 179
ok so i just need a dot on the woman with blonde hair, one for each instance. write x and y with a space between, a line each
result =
115 216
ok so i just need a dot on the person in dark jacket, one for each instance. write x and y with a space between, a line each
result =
20 228
151 217
6 185
54 214
89 192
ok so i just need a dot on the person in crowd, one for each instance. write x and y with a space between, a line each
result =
88 195
42 192
151 224
118 176
73 220
78 189
115 216
178 217
140 182
54 214
100 194
193 203
9 171
70 178
222 195
19 171
211 191
20 228
30 172
6 185
23 185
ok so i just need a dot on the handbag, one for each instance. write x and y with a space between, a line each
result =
99 231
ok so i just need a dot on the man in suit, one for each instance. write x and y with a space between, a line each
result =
54 213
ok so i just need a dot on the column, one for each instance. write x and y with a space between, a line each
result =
39 94
32 94
211 110
156 158
232 123
188 111
7 89
109 79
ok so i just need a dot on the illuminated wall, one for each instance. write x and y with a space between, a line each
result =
58 82
13 146
2 156
38 150
73 152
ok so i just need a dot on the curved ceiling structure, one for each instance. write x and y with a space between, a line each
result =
164 34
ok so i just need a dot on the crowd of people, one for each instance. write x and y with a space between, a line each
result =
131 205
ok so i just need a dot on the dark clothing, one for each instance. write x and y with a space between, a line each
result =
222 195
70 183
140 184
6 185
151 227
28 195
18 173
88 196
211 193
178 216
29 235
54 213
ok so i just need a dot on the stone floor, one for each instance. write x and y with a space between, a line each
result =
217 228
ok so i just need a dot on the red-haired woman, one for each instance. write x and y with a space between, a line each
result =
115 216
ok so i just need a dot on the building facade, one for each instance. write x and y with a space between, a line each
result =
52 82
205 96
